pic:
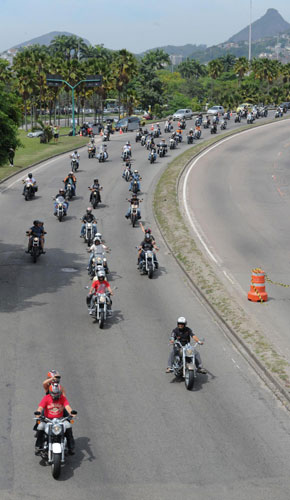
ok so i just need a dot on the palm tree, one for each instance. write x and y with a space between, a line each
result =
215 68
71 47
191 68
124 68
241 67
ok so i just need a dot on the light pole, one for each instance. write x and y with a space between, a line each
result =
250 32
57 81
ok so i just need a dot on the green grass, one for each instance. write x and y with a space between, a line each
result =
33 152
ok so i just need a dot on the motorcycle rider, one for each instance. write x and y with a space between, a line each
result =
52 377
162 145
96 187
28 182
97 249
60 198
91 145
53 405
135 177
184 335
88 217
38 231
147 244
72 180
127 166
97 282
127 148
134 201
76 156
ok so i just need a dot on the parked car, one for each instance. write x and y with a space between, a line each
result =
128 123
36 133
216 110
183 113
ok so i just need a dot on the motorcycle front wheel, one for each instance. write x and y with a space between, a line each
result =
150 272
189 379
56 465
133 220
102 319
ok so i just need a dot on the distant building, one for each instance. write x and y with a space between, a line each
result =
175 60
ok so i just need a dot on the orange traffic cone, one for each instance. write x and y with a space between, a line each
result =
121 131
81 133
101 133
257 291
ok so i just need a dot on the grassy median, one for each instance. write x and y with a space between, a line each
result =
182 244
33 152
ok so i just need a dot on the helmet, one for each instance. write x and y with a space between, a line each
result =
61 190
30 176
147 236
97 239
89 210
148 230
76 152
71 173
135 171
128 143
55 390
134 195
181 321
96 180
35 222
101 274
98 236
53 373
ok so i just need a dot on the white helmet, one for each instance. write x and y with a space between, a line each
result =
98 236
181 321
101 274
135 171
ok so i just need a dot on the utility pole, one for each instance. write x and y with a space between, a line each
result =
250 32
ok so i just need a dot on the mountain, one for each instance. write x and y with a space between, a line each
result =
269 25
178 50
45 39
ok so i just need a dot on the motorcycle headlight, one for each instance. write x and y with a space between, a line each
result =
102 299
59 205
93 260
56 429
35 240
189 352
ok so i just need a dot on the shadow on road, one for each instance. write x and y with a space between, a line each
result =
22 280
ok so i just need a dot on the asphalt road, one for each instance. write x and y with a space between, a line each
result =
139 435
239 196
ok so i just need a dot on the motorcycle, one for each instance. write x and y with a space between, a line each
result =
198 121
135 187
89 233
68 192
106 136
162 150
278 114
223 124
126 154
127 173
55 445
168 128
35 249
238 118
134 214
29 191
143 140
250 119
213 128
228 115
95 198
138 136
74 164
172 143
206 123
156 133
197 134
91 152
147 265
190 138
60 211
98 263
102 156
183 124
100 307
152 157
184 364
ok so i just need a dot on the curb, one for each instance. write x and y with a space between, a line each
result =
271 382
38 163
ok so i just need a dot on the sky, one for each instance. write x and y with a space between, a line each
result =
136 25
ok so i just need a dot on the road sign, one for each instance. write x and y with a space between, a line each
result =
54 80
93 81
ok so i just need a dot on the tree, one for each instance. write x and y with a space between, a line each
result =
215 68
156 59
191 69
124 67
72 47
10 117
241 67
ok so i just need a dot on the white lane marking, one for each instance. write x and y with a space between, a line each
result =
36 169
184 189
228 277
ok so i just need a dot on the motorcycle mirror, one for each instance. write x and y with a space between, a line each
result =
74 412
37 413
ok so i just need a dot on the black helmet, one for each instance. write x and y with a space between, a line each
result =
147 236
96 180
30 176
35 222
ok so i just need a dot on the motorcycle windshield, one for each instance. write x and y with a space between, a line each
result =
60 199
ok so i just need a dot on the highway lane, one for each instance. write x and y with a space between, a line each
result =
239 195
139 434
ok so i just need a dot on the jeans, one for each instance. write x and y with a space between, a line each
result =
84 228
175 351
138 184
129 212
65 204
